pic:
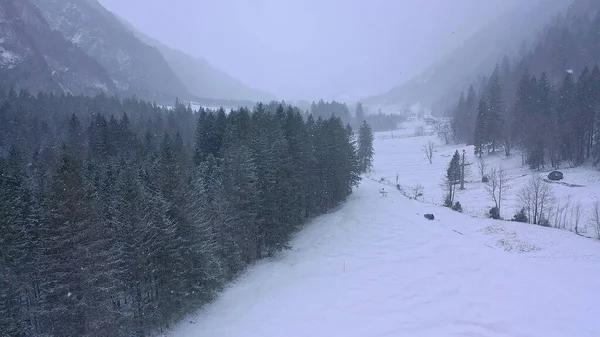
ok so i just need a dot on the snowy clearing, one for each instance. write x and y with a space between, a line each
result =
377 267
403 155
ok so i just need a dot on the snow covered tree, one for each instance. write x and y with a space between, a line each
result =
481 136
360 114
63 290
452 178
124 226
241 236
365 147
459 117
496 111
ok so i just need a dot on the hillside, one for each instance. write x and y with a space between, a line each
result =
543 105
578 187
34 57
202 79
475 57
377 267
135 68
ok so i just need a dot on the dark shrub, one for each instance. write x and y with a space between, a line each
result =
447 202
544 222
520 216
494 213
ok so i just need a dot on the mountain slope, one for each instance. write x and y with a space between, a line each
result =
135 67
475 56
202 79
34 57
376 267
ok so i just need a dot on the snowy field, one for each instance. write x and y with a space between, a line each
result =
377 267
400 153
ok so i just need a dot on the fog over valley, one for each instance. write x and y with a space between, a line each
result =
311 49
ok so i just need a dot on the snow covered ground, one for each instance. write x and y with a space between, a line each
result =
377 267
400 153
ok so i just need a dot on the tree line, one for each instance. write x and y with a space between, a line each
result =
377 121
119 217
544 102
551 123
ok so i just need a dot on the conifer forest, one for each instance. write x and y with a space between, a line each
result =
119 217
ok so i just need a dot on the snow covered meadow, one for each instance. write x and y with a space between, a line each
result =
377 267
401 155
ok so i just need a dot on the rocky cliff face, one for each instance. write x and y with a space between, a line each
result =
134 67
36 58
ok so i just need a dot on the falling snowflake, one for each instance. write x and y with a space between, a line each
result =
570 71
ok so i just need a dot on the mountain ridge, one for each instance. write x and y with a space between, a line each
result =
466 62
38 59
197 73
136 68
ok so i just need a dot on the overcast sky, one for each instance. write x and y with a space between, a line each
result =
308 49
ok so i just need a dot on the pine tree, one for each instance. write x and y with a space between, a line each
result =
458 118
302 160
63 290
496 111
204 275
481 135
274 163
365 148
453 174
118 232
241 240
470 115
201 137
540 119
593 116
521 112
579 117
13 238
566 109
360 114
312 186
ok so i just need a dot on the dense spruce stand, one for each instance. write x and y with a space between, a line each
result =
119 217
544 102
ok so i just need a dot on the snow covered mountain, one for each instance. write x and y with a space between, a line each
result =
79 47
36 58
134 67
476 56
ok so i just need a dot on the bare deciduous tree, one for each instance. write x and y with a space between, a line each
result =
417 191
497 185
560 211
482 166
576 213
536 197
428 149
595 218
